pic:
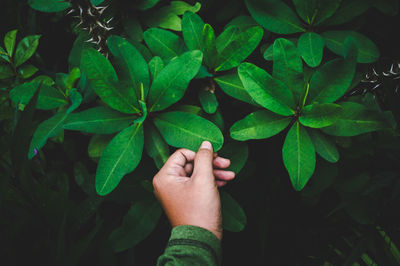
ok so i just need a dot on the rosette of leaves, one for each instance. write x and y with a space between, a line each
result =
309 20
134 100
311 111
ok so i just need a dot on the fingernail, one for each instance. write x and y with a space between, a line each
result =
206 145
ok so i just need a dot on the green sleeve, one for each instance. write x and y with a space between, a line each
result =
191 245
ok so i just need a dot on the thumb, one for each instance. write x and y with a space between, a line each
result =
203 162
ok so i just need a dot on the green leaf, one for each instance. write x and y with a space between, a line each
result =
368 52
25 49
6 71
288 66
242 22
76 99
97 145
147 4
259 125
208 101
348 10
9 41
331 81
170 85
156 64
4 56
266 90
133 28
320 115
298 156
208 46
311 47
99 120
233 217
121 156
237 152
192 30
27 71
232 85
138 223
239 49
185 130
133 61
324 146
163 43
314 12
355 120
103 80
226 37
275 16
74 58
388 7
155 146
49 5
51 127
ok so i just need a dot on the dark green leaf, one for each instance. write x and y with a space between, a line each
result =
49 5
76 99
324 146
298 156
209 46
27 71
242 22
320 115
97 145
104 80
237 152
275 16
314 12
266 90
170 85
147 4
356 120
133 28
138 223
99 120
155 146
163 43
185 130
232 85
9 42
192 30
368 52
208 101
348 10
259 125
25 49
120 157
311 47
388 7
233 217
6 71
239 49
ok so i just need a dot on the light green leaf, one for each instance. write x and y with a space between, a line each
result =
185 130
226 37
237 152
313 12
288 66
208 101
9 41
233 217
275 16
97 145
355 120
156 64
99 120
239 49
192 30
155 146
138 223
49 5
232 85
104 80
324 146
163 43
133 61
368 52
266 90
259 125
51 127
170 85
298 156
25 49
311 47
27 71
320 115
121 156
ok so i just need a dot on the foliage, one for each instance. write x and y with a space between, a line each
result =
167 74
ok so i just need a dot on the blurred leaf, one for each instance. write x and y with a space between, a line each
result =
348 10
146 4
25 49
6 71
233 217
237 152
259 125
185 130
121 156
298 156
26 71
97 145
83 179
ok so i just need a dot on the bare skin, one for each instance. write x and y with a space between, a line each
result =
187 188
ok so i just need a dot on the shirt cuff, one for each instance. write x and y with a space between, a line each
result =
196 236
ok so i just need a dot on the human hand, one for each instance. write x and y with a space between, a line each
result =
187 188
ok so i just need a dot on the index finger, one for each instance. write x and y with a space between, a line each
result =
180 158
